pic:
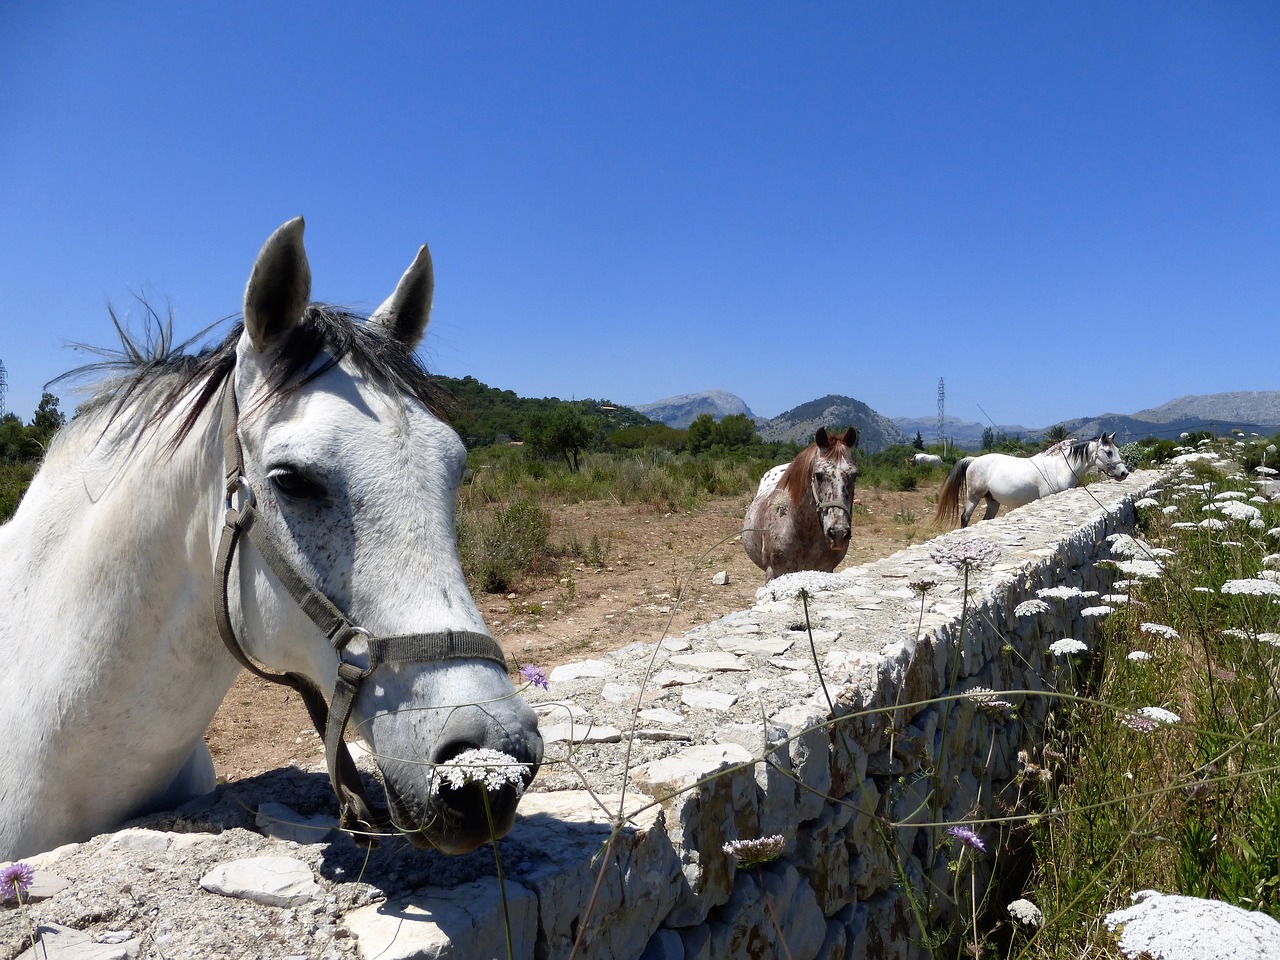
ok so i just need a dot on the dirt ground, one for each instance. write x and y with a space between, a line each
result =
656 578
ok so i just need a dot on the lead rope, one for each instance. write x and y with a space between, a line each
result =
358 814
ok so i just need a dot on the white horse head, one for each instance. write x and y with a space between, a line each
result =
1105 456
116 666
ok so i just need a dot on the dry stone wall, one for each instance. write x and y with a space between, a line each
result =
838 714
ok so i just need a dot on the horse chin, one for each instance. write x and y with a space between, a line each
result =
454 820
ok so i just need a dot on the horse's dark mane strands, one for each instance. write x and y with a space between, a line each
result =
150 363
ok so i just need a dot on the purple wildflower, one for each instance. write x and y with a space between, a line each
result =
15 881
534 675
968 838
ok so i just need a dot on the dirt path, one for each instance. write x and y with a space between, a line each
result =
649 560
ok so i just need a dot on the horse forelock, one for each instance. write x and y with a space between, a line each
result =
149 370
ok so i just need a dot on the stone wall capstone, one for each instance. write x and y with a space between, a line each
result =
658 756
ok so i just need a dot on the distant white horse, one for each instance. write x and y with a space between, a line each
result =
1002 480
167 539
925 460
802 514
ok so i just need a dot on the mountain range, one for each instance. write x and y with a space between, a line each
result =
1253 411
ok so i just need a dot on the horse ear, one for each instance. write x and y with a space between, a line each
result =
404 314
821 438
279 287
850 438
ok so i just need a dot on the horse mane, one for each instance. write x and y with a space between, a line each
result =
795 479
1075 451
150 367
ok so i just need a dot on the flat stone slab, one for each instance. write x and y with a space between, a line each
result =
271 881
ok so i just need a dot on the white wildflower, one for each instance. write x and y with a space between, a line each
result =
1148 569
1271 638
1145 503
1160 715
749 853
1098 611
1229 495
1118 599
1141 724
1213 523
1160 630
1169 509
965 552
1272 575
1236 510
1271 560
1274 532
1236 632
985 699
1029 608
1024 911
1182 525
1138 656
1257 588
1067 645
1059 593
491 769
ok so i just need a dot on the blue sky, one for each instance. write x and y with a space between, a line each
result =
1061 208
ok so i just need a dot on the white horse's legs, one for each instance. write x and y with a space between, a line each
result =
195 779
991 509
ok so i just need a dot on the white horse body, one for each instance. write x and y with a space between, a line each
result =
113 667
1007 481
98 728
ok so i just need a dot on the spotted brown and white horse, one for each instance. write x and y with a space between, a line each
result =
802 514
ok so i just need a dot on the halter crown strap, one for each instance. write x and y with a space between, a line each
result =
358 812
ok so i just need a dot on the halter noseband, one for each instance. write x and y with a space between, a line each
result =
358 813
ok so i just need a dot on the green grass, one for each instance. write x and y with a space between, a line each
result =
1192 807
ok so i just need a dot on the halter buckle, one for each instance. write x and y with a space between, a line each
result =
354 661
241 486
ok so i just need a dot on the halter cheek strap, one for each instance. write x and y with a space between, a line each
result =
359 813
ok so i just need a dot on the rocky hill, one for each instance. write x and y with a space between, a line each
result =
875 432
1246 406
681 411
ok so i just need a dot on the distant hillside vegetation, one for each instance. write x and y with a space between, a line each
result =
483 414
681 411
800 424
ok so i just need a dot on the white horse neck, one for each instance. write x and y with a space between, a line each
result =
105 569
1059 470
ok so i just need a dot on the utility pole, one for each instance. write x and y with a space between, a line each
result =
4 389
942 399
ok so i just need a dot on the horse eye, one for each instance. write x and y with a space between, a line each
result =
293 484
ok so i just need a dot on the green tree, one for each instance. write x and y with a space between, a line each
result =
564 432
988 438
1055 434
735 430
918 442
702 433
48 419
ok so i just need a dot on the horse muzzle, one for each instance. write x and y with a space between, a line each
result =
456 809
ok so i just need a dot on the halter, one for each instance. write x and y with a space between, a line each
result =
358 813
